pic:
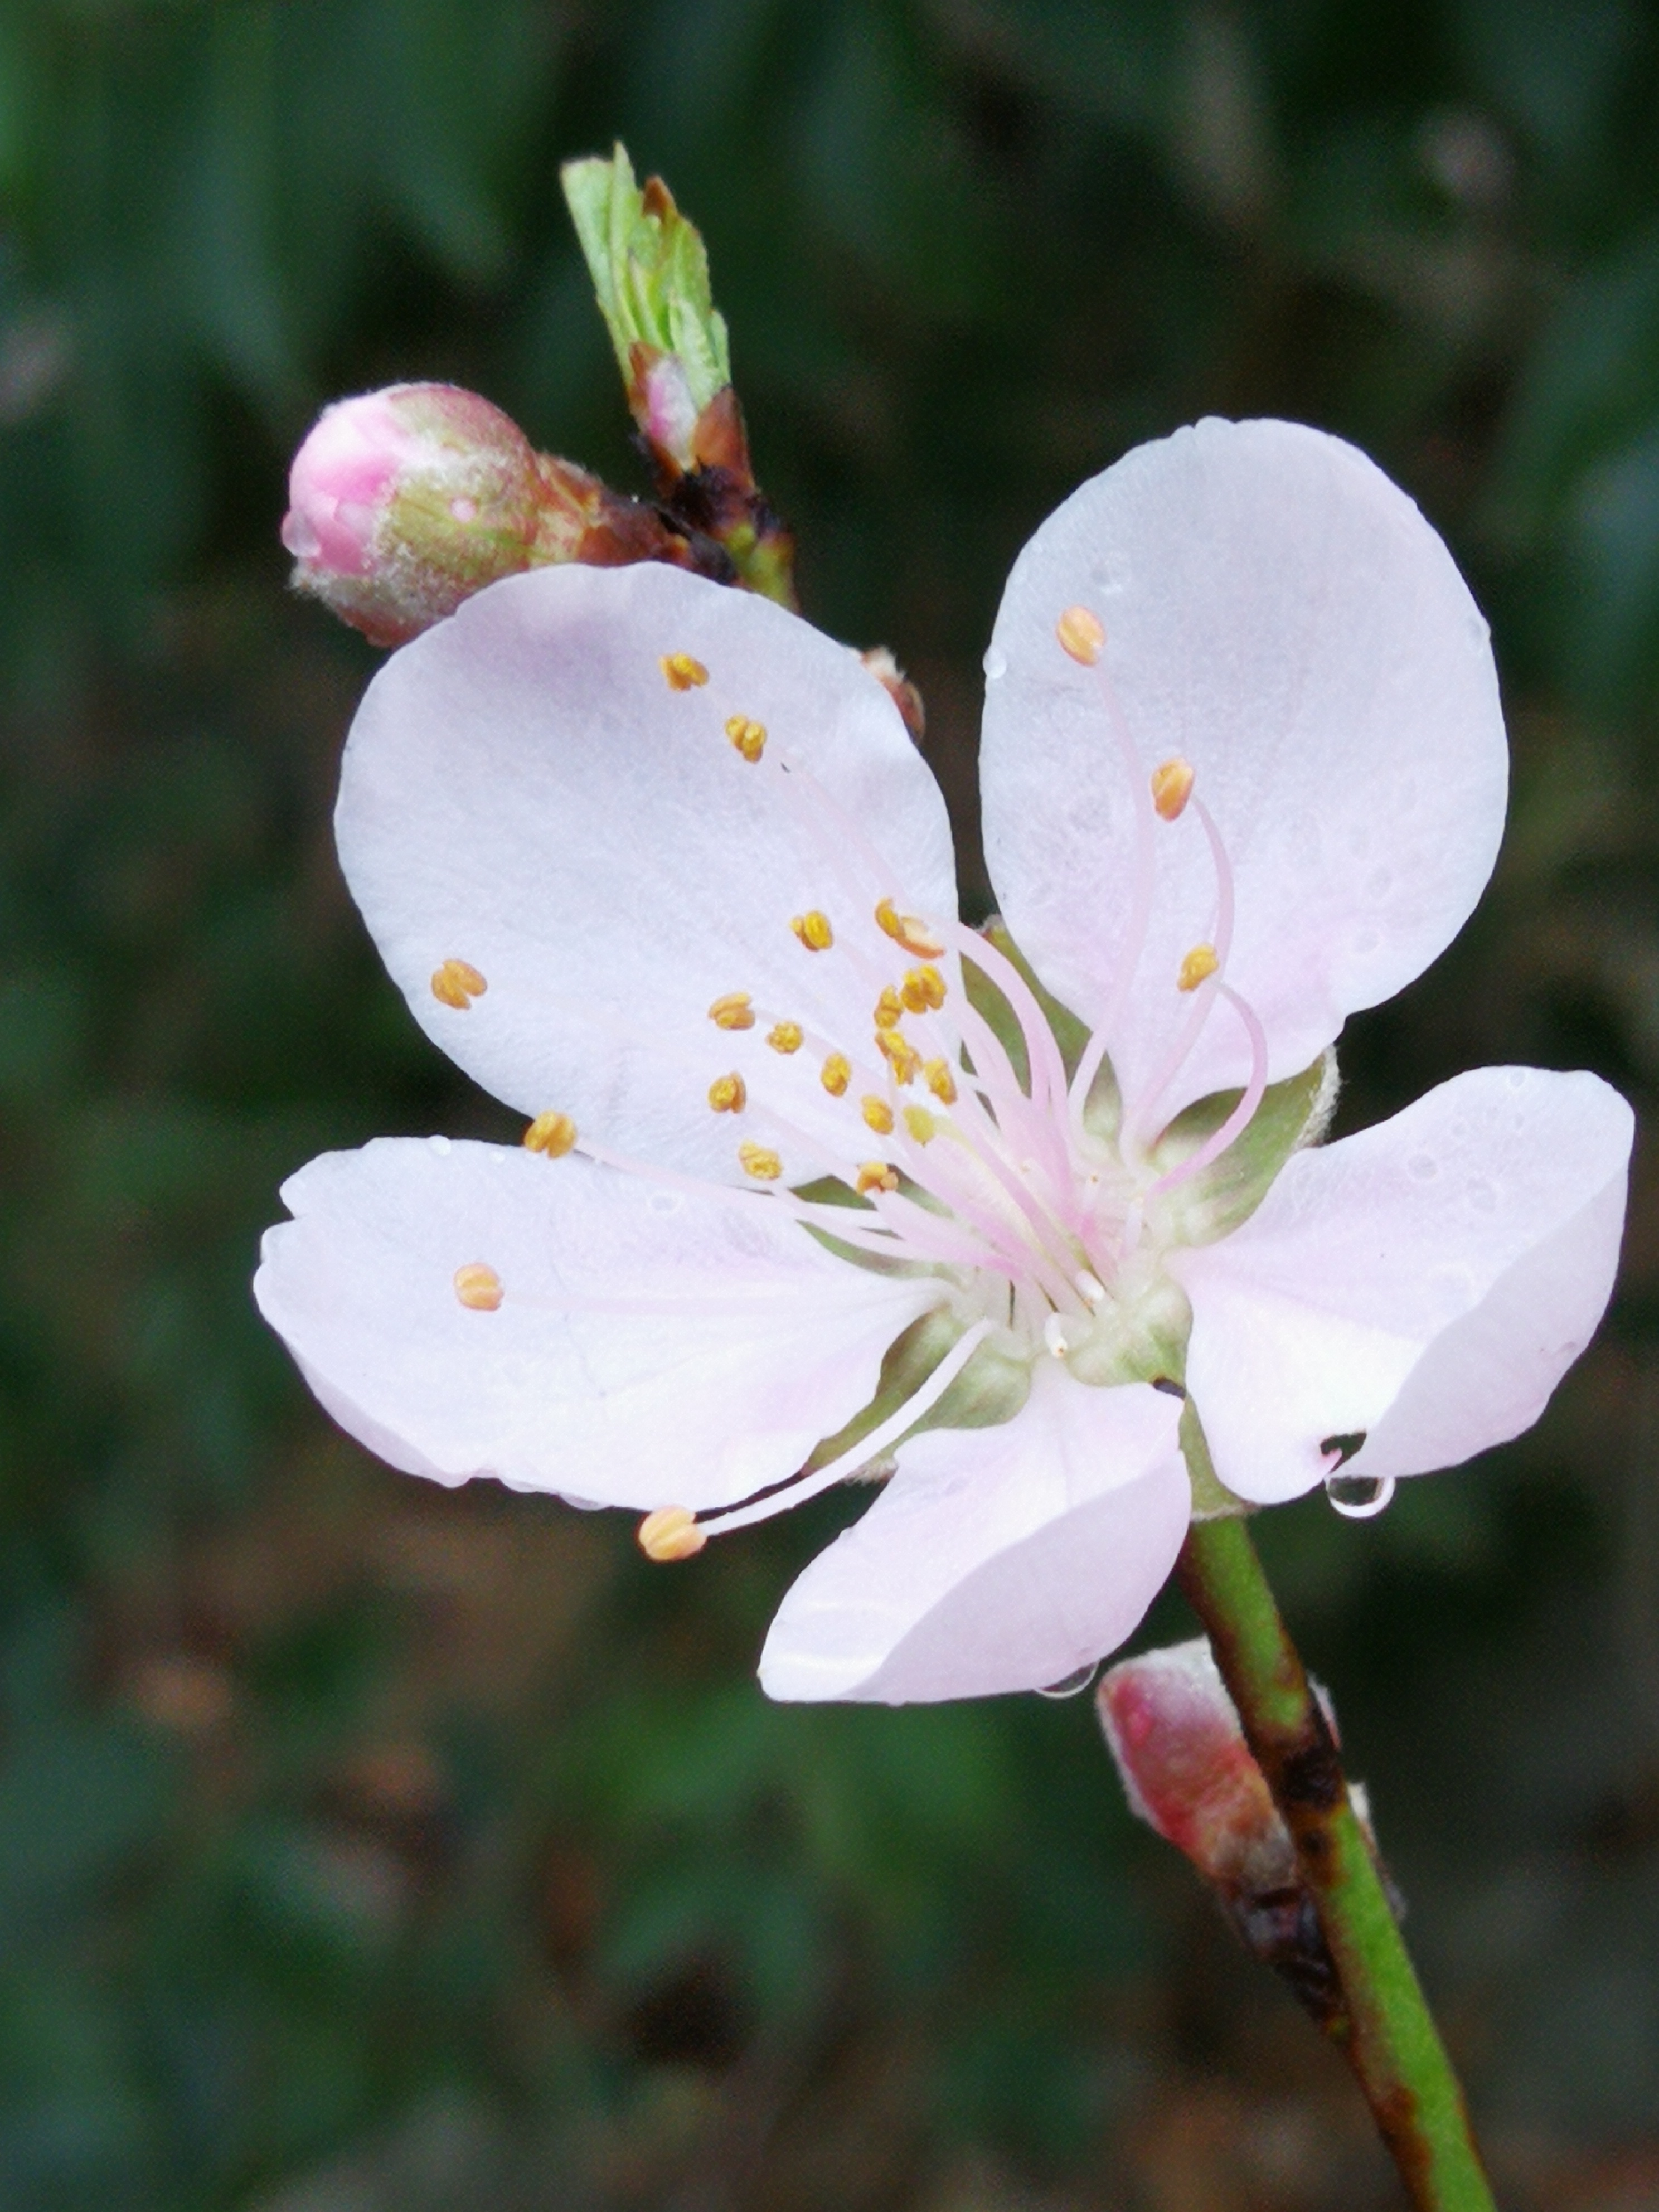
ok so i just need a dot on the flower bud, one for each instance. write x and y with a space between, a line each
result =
1188 1771
404 502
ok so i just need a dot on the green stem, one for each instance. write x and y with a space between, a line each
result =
1391 2040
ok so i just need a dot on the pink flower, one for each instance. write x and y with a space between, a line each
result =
816 1184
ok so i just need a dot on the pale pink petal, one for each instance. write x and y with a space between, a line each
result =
526 791
651 1347
1426 1283
1280 615
1000 1558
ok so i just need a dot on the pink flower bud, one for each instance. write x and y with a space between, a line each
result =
1188 1771
405 501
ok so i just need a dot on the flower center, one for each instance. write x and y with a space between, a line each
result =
963 1137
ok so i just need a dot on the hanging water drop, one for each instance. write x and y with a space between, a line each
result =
1358 1497
1072 1685
996 663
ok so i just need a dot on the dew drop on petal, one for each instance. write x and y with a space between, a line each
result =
996 663
1072 1685
1359 1497
439 1145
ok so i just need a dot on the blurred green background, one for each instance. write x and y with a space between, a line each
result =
364 1846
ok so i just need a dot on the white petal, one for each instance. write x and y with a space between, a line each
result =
524 792
1427 1282
651 1347
1280 615
996 1559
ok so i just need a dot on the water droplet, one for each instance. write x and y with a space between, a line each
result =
438 1144
996 663
1072 1685
1359 1497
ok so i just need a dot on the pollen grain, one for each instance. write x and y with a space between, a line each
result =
733 1010
748 738
553 1133
785 1036
836 1074
728 1094
813 930
1172 786
761 1162
1082 634
683 671
478 1286
877 1114
671 1533
1199 965
457 983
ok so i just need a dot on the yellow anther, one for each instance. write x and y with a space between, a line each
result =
749 737
761 1162
1081 634
890 1009
813 930
671 1533
900 1055
728 1094
1199 962
836 1074
684 673
923 987
1172 786
553 1133
920 1124
877 1114
785 1036
876 1175
457 984
909 931
940 1081
735 1011
478 1286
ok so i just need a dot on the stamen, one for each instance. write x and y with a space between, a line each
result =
749 737
1054 1336
920 1124
1235 1123
900 1055
457 984
779 1496
1139 1123
890 1009
1082 634
671 1533
760 1161
728 1094
1172 786
836 1074
553 1133
923 991
940 1081
733 1010
876 1175
813 930
683 671
909 930
878 1115
785 1036
1200 964
478 1286
1090 1288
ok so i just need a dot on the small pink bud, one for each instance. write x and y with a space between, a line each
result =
404 502
1188 1771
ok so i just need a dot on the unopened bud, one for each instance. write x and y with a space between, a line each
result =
404 502
1188 1771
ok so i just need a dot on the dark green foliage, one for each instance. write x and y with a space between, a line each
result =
366 1846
